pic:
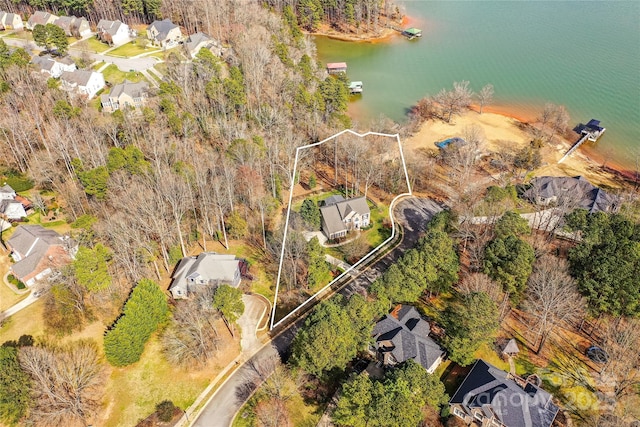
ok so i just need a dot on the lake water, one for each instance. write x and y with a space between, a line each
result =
583 55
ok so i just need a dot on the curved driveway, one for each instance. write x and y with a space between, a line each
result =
413 214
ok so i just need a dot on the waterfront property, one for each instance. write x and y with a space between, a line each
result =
340 215
489 396
570 192
207 269
404 335
412 33
336 67
589 132
355 87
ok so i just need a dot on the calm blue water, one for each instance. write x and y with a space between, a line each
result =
583 55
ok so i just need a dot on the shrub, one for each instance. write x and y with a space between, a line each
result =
165 410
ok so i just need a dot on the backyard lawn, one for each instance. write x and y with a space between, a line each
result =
93 45
25 322
113 75
25 35
131 49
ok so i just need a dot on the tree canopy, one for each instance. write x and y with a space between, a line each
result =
143 312
91 267
509 261
228 301
396 401
470 321
333 334
606 262
15 387
49 36
310 214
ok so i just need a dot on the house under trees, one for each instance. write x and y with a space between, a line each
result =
207 269
340 215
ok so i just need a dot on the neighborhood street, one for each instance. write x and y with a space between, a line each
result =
413 214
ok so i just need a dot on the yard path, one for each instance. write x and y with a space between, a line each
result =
19 306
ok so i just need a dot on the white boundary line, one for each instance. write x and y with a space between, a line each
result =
286 225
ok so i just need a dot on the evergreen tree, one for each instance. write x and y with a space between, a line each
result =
310 214
511 224
509 261
143 312
318 271
228 301
470 321
15 387
50 36
91 267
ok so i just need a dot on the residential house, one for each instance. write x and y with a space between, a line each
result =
125 95
11 21
12 209
83 82
37 251
42 18
207 269
572 193
113 32
74 26
54 66
340 215
489 396
404 334
164 33
199 40
7 193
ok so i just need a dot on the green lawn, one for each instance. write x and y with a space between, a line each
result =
8 298
113 75
97 66
130 49
58 223
25 322
25 35
95 45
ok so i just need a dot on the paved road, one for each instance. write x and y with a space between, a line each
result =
124 64
413 214
19 306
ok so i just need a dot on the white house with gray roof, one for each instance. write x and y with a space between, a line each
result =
7 192
402 335
37 251
40 17
82 82
489 396
164 33
53 66
198 41
207 269
113 33
125 95
74 26
10 21
340 215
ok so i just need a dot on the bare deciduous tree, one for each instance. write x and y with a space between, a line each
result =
621 342
485 96
453 102
67 382
552 297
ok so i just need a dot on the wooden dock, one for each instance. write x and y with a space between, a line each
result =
589 132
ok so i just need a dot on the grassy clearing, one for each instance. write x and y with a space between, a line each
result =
488 354
59 225
113 75
7 297
95 45
25 322
130 49
24 35
97 66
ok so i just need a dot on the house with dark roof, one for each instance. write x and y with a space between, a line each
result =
489 396
37 251
113 33
340 215
40 17
74 26
207 269
164 33
10 21
198 41
83 82
53 66
403 334
570 192
125 95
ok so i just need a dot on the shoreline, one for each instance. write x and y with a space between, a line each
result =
504 129
384 35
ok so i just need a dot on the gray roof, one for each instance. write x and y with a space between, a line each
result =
134 90
46 62
511 347
580 192
7 189
162 27
40 17
495 393
79 77
196 39
32 242
409 334
110 27
209 266
336 208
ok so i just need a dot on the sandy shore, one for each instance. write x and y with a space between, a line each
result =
500 131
